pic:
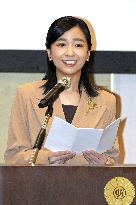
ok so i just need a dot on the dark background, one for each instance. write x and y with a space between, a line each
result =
34 61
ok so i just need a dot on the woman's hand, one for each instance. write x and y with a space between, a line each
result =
94 158
60 157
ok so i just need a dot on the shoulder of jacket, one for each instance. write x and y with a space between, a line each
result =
28 87
106 96
31 89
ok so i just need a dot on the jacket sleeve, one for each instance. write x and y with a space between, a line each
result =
114 152
19 145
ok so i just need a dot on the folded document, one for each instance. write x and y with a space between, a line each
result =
64 136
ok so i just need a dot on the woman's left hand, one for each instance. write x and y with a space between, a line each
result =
94 158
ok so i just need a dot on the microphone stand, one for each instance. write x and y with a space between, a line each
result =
48 100
41 135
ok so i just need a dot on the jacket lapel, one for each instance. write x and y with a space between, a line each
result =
35 98
87 116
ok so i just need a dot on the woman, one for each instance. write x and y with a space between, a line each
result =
68 46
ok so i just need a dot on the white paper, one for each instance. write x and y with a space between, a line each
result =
64 136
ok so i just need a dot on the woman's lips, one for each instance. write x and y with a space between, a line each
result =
69 62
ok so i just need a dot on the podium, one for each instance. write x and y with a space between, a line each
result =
58 185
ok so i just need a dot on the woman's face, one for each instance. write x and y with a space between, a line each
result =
69 52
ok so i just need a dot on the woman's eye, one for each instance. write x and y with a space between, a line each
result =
79 45
61 44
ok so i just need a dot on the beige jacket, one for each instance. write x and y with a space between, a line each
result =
27 119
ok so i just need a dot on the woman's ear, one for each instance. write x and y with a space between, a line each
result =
88 56
49 54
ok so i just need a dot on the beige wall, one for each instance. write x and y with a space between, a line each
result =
8 84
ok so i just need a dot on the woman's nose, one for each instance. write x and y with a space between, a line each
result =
69 50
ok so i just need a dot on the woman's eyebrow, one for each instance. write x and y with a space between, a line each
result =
61 39
79 39
75 39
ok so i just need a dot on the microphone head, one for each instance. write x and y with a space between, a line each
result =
65 81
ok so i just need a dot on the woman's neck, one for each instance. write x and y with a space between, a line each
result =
71 95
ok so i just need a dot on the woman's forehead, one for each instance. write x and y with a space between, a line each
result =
74 33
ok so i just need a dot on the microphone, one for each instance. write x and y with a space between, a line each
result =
52 94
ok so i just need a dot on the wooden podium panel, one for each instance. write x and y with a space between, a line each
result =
58 185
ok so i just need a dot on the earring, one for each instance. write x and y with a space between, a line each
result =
87 59
50 59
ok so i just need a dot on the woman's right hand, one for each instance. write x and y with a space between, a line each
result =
60 157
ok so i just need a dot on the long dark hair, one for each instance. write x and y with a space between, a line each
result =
57 29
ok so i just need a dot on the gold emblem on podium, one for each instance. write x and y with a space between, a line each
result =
119 191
